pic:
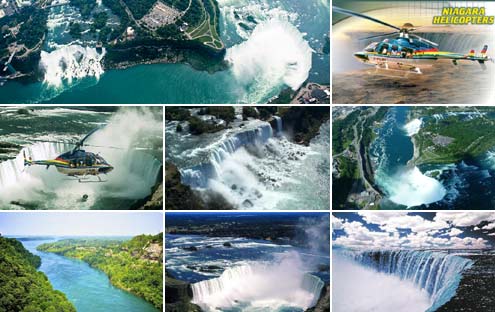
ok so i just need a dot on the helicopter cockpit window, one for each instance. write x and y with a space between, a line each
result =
99 160
371 47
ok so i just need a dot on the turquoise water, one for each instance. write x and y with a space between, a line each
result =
88 289
180 83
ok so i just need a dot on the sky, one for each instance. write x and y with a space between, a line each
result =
414 230
80 223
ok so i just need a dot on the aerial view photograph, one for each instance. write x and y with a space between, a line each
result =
78 158
164 51
264 157
81 261
228 261
420 157
392 261
413 52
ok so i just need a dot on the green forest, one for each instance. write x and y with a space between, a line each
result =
22 287
134 265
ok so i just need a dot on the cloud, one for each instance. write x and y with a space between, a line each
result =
422 233
458 218
393 221
454 232
336 223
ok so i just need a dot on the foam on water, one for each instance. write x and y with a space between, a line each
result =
69 63
134 175
357 289
413 126
411 187
261 286
275 54
255 167
435 273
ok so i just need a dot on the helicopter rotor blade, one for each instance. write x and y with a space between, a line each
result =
52 141
424 40
378 36
114 147
352 13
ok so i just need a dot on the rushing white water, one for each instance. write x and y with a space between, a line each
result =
135 172
69 63
254 166
357 288
261 286
413 127
279 124
276 53
410 187
436 273
199 176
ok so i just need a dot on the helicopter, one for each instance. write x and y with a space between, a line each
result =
407 52
76 163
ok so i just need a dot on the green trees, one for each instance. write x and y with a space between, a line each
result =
84 6
135 265
22 287
139 8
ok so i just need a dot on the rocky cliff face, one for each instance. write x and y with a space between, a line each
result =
154 201
323 304
304 123
178 295
476 291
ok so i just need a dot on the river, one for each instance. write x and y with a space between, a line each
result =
87 288
467 184
252 274
283 48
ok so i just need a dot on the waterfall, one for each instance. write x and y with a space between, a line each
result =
437 273
12 171
259 284
279 124
198 176
134 175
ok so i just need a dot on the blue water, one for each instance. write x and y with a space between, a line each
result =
180 83
469 184
186 265
87 288
392 146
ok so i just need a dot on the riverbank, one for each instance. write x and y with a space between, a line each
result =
134 266
22 287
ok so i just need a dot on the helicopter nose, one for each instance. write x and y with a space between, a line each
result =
106 169
361 56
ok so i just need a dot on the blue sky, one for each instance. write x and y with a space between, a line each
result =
410 230
80 223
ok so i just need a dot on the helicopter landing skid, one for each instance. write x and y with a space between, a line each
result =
395 73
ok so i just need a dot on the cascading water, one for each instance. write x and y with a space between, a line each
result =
13 172
267 287
437 273
279 124
392 149
199 175
39 187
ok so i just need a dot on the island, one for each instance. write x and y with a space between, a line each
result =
141 32
428 156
